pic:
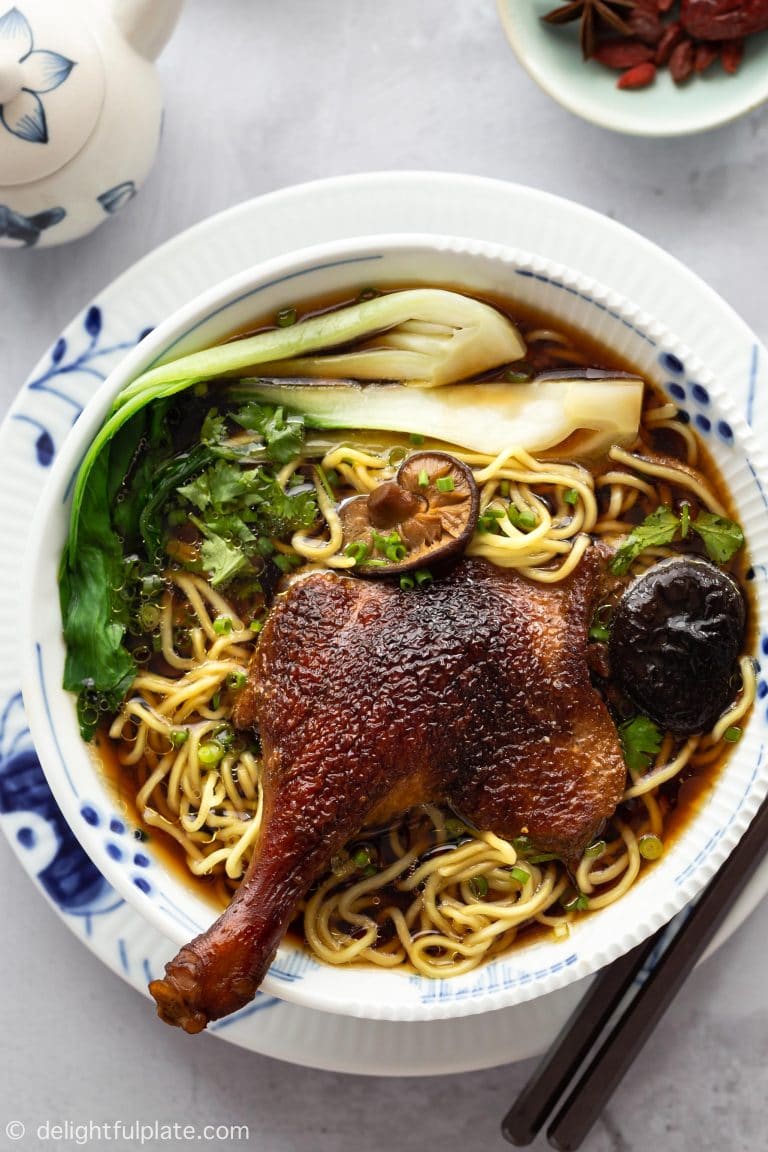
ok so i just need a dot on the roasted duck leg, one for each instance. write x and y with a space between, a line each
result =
369 699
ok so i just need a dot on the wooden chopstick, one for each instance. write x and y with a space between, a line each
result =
594 1087
616 1053
572 1045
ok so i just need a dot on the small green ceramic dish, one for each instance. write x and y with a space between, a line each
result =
551 57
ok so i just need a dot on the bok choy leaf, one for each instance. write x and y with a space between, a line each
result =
423 335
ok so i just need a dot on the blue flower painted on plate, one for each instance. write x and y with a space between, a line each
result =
91 358
17 230
31 816
25 74
116 198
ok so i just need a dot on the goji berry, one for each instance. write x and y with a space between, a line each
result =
681 61
621 54
731 55
706 54
673 34
638 77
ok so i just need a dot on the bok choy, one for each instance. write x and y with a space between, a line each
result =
483 417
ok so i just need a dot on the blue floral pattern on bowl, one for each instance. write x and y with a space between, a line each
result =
34 71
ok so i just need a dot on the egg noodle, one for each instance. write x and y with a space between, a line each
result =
430 891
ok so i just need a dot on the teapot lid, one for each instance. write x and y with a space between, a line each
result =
51 88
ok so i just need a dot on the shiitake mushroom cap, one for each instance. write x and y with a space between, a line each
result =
434 520
676 634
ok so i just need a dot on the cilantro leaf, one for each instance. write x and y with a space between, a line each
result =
237 510
640 742
220 559
283 435
658 528
722 538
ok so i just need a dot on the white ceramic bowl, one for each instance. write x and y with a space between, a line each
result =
85 799
551 56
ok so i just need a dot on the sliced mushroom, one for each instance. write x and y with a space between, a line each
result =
427 513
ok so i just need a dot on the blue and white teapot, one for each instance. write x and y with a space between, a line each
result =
80 112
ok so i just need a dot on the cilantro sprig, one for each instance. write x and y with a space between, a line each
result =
640 742
722 538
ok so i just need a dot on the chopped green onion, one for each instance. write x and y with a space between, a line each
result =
149 617
152 584
733 734
595 849
650 846
236 680
370 870
600 628
286 562
416 438
454 828
396 553
504 489
361 856
423 478
579 903
525 519
216 701
520 875
256 625
224 735
357 550
210 753
178 736
264 546
542 857
407 583
685 520
521 844
478 886
445 484
423 576
286 317
222 625
571 496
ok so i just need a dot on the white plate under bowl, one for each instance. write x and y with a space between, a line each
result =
552 57
342 268
65 379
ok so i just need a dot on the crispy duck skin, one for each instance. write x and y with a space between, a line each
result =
369 699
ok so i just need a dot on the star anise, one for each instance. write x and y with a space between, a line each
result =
591 13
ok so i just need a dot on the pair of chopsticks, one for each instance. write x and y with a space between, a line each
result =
612 1023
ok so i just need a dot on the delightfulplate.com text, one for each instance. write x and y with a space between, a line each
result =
132 1133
